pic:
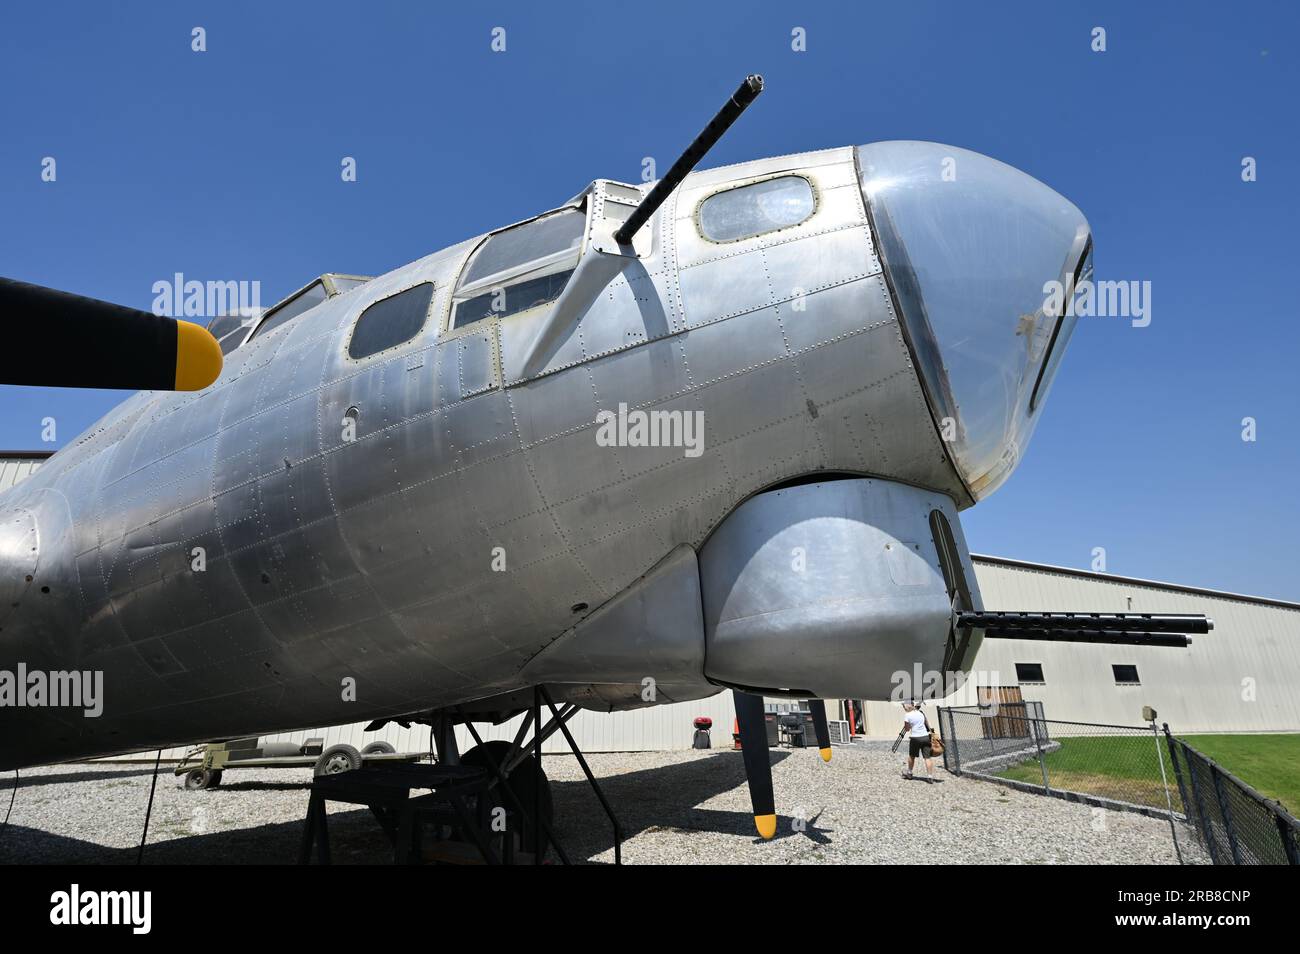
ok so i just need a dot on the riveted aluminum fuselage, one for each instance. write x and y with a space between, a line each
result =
425 558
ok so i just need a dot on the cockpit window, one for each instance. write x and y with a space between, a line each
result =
754 209
520 268
391 321
230 330
223 325
305 300
507 300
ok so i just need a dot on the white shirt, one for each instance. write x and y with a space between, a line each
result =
917 721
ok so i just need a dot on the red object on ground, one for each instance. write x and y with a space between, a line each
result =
703 722
735 735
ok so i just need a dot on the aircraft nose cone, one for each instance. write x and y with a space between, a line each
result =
974 249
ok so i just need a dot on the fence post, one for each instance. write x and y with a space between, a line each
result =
1164 780
1178 772
956 746
943 740
1226 813
1288 840
1042 763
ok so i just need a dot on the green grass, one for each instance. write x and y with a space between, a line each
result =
1268 763
1125 767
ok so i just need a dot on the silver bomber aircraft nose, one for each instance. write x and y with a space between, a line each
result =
970 247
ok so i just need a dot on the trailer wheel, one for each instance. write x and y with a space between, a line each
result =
199 779
337 759
379 748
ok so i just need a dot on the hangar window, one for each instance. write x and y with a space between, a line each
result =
754 209
391 321
1126 675
1030 672
520 268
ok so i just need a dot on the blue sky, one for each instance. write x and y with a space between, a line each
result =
225 165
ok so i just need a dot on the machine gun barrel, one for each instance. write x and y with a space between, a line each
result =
1100 637
1118 622
745 94
1130 629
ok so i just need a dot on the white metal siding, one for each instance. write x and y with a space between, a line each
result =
658 728
1242 677
14 470
1254 649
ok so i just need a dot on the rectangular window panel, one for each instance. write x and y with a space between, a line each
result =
511 299
1029 672
1126 675
391 321
311 296
754 209
516 248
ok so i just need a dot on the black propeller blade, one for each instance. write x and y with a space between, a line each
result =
818 709
54 339
758 765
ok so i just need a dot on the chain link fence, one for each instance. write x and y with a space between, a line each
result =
1235 824
1121 767
1214 816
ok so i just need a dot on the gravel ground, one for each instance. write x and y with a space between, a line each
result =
675 807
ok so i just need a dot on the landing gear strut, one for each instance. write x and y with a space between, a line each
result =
510 763
522 779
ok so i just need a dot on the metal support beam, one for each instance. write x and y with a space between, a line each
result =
591 778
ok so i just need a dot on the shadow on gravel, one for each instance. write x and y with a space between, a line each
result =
355 838
37 781
659 798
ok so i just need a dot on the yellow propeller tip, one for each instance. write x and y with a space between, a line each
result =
826 754
198 357
766 825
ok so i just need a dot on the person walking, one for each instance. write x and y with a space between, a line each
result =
917 729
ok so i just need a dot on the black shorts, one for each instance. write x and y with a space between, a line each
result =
918 746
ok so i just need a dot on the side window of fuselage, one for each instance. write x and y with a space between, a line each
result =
519 268
753 209
391 321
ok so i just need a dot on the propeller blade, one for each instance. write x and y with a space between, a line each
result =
54 339
818 709
758 764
